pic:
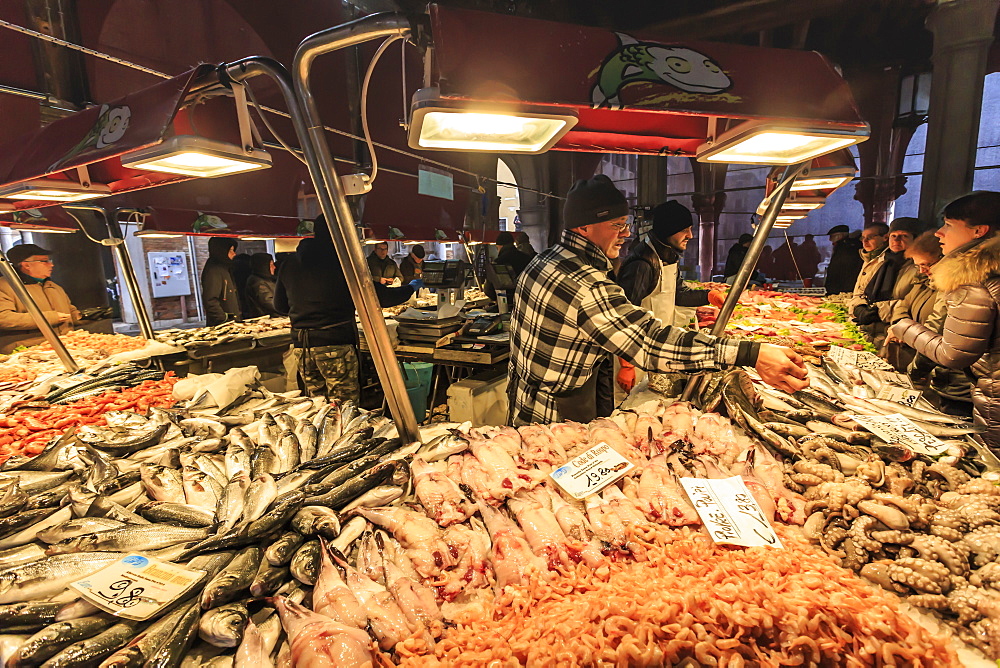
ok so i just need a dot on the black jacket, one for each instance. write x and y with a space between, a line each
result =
845 265
734 260
513 258
312 290
218 289
386 268
639 275
410 269
260 288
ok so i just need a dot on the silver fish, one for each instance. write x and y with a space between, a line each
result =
286 421
308 438
237 458
233 579
280 552
162 483
81 607
294 480
259 496
306 563
182 514
52 638
130 539
204 427
264 460
32 482
27 535
208 445
287 450
49 576
200 489
223 626
230 507
23 554
93 649
77 527
316 520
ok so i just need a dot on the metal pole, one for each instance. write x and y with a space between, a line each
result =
791 252
311 133
21 292
749 264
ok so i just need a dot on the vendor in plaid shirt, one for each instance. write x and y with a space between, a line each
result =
569 317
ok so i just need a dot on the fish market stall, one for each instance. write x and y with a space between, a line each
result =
259 341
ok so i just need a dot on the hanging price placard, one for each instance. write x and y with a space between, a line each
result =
137 587
592 471
897 428
730 512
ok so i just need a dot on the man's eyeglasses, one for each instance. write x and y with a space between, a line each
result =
622 226
38 261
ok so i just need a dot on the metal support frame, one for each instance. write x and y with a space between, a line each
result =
21 292
749 264
312 138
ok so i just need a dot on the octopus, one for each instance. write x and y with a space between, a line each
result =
836 495
815 471
893 518
952 555
921 575
987 577
953 477
872 470
948 524
860 533
978 486
983 544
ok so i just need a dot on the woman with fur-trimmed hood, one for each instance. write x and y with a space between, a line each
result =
969 279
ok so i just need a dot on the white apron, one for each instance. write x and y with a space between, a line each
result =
662 301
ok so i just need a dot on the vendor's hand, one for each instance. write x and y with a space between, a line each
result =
716 297
63 318
626 377
385 281
782 368
416 284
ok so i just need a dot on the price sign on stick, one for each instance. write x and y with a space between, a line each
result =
897 428
137 587
730 512
592 471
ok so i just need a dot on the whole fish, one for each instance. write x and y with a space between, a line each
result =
130 539
52 638
203 427
280 552
223 626
32 482
26 535
308 438
93 650
29 612
77 527
12 525
49 576
143 646
306 563
101 507
340 496
22 554
47 460
263 490
12 498
238 451
200 489
230 508
263 459
81 607
251 652
294 480
178 639
208 465
268 579
316 520
328 425
179 514
131 441
162 483
442 447
235 578
287 449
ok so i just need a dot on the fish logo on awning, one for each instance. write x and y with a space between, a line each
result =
634 61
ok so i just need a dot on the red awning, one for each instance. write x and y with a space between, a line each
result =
632 93
98 136
394 210
51 217
222 224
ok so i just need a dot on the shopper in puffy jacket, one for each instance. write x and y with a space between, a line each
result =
218 288
920 300
260 286
969 279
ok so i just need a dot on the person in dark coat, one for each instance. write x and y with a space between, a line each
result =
241 270
312 290
736 255
808 257
218 287
384 269
845 263
509 254
260 286
412 266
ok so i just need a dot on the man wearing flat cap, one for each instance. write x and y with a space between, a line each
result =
17 328
650 279
845 263
569 317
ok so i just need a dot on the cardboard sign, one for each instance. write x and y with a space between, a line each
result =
730 513
136 586
592 471
895 428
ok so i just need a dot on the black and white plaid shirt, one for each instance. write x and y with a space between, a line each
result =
568 316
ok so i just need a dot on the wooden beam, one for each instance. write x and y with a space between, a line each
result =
746 17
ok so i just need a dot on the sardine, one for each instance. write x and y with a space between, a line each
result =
223 626
179 514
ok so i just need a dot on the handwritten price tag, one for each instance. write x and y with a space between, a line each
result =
901 395
592 471
893 378
730 512
137 587
861 359
897 428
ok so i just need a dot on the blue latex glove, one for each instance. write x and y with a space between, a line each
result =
416 284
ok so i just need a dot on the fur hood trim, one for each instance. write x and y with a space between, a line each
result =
968 267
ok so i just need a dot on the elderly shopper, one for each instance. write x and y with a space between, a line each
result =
969 280
34 268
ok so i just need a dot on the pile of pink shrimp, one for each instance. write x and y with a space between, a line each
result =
695 604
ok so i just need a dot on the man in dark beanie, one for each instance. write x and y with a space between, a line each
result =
738 253
412 266
569 317
650 278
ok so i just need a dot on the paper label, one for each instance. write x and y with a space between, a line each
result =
592 471
137 587
901 395
842 355
810 329
764 307
747 328
730 512
782 304
861 359
895 428
893 378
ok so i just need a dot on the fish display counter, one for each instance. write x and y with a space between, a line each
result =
280 529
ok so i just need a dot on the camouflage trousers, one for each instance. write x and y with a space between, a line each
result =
331 371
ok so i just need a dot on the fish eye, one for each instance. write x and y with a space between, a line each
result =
712 67
678 65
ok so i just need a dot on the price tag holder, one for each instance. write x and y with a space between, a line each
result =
730 512
137 587
895 428
592 471
901 395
